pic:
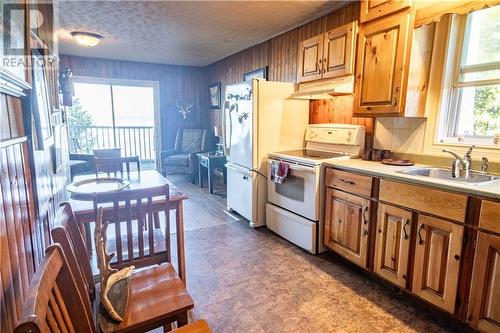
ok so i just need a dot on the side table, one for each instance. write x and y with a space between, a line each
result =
211 161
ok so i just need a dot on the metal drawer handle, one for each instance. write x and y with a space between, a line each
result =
365 219
405 233
350 182
420 228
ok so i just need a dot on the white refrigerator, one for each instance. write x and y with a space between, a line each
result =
259 117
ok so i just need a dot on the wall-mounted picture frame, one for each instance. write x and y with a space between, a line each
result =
214 95
41 104
13 76
260 73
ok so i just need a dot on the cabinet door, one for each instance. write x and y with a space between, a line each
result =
392 244
382 65
372 9
310 59
346 225
438 249
484 301
339 49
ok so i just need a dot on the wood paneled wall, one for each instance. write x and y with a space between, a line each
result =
20 246
280 54
178 84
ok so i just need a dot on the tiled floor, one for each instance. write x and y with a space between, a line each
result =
246 280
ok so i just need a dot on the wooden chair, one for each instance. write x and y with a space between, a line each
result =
54 303
199 326
157 295
138 236
115 164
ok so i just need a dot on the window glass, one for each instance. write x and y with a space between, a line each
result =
483 37
479 111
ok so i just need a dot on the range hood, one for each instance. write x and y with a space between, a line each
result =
325 89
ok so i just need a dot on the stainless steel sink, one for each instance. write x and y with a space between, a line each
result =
445 174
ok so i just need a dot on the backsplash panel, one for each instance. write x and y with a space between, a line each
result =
399 134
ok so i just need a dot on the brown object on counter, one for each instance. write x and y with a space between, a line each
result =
367 155
390 161
376 155
386 154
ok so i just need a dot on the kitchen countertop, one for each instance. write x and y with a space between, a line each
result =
490 189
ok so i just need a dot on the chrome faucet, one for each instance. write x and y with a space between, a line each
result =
465 163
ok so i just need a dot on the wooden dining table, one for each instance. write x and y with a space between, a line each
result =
83 207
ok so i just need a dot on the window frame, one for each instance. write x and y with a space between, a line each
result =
448 121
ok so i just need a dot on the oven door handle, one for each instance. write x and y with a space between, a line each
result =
297 167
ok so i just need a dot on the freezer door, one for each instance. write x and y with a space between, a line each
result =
240 190
238 122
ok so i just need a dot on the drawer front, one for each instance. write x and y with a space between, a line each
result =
423 199
350 182
489 218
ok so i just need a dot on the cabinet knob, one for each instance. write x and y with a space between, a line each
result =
457 257
365 232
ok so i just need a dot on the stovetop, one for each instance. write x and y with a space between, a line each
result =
309 156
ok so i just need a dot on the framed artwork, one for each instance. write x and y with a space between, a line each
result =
260 73
12 40
41 104
214 93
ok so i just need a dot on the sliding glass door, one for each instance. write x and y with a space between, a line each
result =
114 113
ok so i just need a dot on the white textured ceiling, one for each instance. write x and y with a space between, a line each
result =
194 33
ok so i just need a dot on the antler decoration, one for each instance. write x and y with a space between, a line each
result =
108 275
184 109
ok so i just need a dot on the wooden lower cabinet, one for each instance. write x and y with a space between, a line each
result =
392 244
346 225
484 300
438 251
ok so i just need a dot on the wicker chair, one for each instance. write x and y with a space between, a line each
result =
183 158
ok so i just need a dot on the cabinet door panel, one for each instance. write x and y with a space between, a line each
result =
437 261
392 243
347 225
310 59
372 9
484 302
339 48
381 69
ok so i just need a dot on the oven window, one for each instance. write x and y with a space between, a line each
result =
292 188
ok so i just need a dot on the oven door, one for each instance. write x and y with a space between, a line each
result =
299 193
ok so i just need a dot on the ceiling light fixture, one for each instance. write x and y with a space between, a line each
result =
87 39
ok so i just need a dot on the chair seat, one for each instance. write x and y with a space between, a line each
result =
177 160
156 294
199 326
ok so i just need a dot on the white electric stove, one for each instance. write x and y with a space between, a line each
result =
293 208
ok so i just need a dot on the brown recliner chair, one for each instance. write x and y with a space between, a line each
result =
183 158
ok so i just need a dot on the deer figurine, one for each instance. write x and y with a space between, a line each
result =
184 109
108 275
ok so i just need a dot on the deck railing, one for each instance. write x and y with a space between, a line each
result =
133 140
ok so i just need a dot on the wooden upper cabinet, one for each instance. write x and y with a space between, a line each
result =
382 65
484 301
438 251
310 59
346 225
373 9
328 55
392 244
338 52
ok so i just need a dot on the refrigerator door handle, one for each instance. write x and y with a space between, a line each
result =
245 172
227 114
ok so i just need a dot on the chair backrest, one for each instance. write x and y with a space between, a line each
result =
135 214
115 164
67 233
54 303
192 140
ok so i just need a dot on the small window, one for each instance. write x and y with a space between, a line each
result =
472 111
